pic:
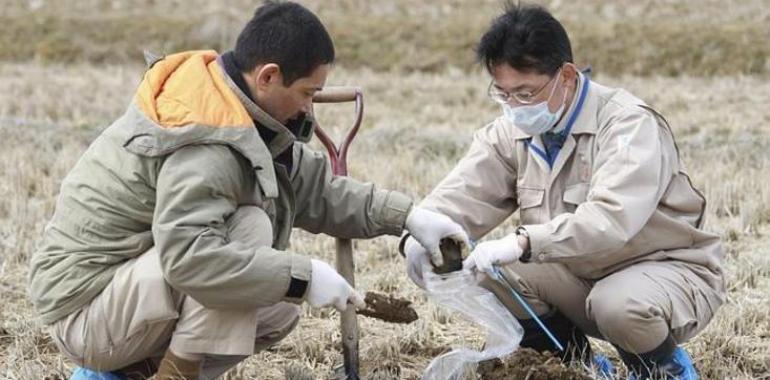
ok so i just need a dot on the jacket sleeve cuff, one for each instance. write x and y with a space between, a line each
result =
539 241
299 279
393 212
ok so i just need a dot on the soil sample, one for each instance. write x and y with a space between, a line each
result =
388 308
453 257
527 363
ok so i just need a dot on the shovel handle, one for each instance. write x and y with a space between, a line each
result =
336 94
339 94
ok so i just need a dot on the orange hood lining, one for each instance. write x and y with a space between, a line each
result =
189 88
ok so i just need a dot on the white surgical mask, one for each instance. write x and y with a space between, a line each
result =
534 119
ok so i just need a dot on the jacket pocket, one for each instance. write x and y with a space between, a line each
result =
574 195
530 203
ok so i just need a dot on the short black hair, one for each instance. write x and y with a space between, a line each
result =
287 34
526 37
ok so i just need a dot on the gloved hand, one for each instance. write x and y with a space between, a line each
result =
416 261
328 288
494 252
429 227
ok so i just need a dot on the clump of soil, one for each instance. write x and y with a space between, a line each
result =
527 363
388 308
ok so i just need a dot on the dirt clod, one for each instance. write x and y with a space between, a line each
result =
388 308
527 363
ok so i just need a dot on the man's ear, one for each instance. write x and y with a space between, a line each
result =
570 74
267 75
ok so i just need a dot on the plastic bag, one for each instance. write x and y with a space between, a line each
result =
460 292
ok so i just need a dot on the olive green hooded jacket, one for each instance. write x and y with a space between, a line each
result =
170 172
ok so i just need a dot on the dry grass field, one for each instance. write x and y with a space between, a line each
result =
68 68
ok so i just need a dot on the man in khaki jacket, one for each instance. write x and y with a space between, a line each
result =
169 241
611 242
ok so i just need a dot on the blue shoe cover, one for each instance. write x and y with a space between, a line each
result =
81 373
681 357
679 367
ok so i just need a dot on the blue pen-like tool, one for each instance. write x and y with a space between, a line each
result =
498 276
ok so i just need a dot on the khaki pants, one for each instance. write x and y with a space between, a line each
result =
138 316
635 308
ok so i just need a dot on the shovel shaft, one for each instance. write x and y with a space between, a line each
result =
349 323
345 266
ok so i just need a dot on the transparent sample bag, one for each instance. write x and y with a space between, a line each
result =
459 292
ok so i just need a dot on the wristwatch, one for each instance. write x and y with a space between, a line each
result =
527 254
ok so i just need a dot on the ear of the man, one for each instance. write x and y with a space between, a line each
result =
570 72
268 75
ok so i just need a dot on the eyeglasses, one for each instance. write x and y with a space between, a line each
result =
521 97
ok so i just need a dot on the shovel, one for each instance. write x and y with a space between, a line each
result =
338 160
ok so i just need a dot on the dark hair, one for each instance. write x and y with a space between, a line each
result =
527 38
287 34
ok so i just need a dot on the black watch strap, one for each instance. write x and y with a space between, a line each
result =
527 254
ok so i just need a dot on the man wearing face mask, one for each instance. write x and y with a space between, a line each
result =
611 243
168 251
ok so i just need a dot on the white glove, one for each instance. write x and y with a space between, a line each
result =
429 227
328 288
494 252
416 261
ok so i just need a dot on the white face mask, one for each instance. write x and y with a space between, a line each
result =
534 119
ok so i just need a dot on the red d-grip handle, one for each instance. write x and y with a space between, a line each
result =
340 94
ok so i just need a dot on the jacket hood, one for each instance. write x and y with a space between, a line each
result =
189 88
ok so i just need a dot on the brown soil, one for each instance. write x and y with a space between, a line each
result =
527 363
453 257
388 308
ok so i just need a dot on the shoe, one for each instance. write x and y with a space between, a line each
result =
81 373
668 361
683 361
678 367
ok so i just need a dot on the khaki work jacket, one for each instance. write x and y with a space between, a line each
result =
616 194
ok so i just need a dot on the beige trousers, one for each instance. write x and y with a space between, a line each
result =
138 316
634 308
